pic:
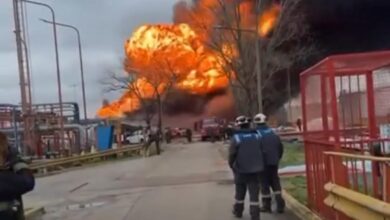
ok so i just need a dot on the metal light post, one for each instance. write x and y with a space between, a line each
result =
62 134
290 116
258 62
81 61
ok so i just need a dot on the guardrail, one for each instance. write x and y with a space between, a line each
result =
356 205
75 160
358 185
34 213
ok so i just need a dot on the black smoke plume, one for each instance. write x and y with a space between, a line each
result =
335 27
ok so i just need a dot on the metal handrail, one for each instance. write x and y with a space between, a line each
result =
358 156
354 204
68 160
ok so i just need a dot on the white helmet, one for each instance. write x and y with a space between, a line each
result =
260 119
241 120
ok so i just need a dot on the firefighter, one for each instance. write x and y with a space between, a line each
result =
15 180
273 152
245 159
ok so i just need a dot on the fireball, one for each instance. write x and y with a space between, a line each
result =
157 54
177 55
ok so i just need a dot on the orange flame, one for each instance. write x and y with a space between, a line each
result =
268 20
176 49
156 52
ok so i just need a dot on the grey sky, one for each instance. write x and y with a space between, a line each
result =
104 26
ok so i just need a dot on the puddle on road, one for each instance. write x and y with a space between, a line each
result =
225 182
58 211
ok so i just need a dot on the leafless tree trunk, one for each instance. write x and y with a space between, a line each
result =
285 46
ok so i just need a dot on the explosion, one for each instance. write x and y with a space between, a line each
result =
175 50
268 20
177 54
158 53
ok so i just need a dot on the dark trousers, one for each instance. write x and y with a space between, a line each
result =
250 183
270 180
7 215
11 215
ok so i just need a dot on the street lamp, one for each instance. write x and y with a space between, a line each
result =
258 72
62 135
258 62
81 61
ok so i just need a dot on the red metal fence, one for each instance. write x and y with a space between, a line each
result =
346 108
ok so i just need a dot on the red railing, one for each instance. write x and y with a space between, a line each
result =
342 111
368 175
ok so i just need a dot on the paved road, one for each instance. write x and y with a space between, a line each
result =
188 181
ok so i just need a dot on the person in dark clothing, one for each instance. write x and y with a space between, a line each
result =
15 180
189 135
168 135
299 124
272 153
150 136
245 159
229 132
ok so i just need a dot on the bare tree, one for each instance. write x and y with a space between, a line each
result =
288 46
234 41
160 77
128 84
148 85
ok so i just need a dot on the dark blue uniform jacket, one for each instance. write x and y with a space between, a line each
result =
272 145
245 153
13 185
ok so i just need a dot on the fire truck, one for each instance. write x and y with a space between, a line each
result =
210 128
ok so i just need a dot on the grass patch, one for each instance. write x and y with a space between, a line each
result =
294 154
296 186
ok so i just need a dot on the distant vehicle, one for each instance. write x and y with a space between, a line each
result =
285 128
137 137
182 132
178 132
211 128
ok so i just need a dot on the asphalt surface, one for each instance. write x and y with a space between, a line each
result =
186 182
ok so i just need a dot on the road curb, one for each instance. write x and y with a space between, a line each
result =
300 210
34 213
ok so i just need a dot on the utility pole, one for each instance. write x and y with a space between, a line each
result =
258 61
289 94
23 77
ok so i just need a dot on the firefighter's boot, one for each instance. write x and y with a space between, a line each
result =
254 212
238 209
266 205
280 203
